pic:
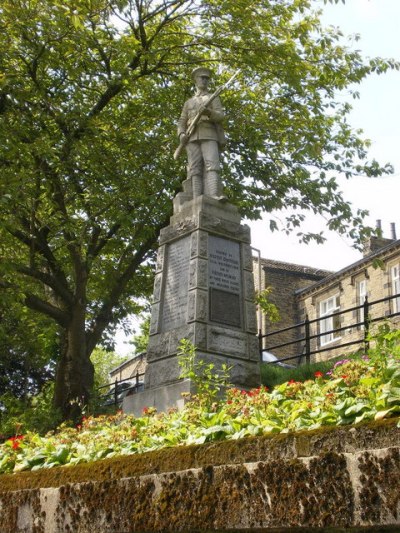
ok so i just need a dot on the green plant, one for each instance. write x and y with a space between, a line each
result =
273 375
36 413
385 345
209 382
352 391
262 299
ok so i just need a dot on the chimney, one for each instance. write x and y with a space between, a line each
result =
373 244
393 230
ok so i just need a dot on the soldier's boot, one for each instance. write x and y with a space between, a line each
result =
197 185
213 185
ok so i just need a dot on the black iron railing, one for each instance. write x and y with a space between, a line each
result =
309 330
120 388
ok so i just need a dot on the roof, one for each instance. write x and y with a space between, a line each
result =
292 267
127 363
358 265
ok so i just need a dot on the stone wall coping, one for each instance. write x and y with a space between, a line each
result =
284 446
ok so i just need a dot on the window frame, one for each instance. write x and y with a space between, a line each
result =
327 321
361 295
395 287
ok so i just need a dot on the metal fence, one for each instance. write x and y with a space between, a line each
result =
309 330
119 389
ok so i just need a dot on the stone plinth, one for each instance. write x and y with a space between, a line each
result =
204 292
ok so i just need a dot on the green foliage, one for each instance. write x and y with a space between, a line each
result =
28 350
273 375
103 362
268 307
141 339
385 344
36 413
209 382
354 391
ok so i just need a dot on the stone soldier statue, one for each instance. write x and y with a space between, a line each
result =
204 144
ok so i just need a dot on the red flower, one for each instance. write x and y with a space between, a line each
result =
291 382
318 374
16 441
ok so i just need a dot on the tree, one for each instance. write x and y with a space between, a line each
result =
89 91
28 350
104 361
140 339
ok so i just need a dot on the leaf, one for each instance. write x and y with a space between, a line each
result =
354 409
383 414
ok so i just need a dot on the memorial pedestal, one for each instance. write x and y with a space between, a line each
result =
203 291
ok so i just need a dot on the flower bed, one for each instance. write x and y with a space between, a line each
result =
354 391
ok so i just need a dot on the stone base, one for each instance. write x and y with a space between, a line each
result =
244 374
162 398
204 292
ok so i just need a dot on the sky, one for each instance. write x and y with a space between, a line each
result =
377 113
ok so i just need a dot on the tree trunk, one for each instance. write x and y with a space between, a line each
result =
75 372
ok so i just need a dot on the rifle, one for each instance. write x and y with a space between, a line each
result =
195 121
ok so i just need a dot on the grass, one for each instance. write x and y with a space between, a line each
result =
273 375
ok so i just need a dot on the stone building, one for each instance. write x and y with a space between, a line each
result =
376 277
130 368
299 291
330 301
284 280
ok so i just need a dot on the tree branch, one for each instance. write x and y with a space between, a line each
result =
105 314
37 304
48 280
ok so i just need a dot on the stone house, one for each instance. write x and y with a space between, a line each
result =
330 301
130 368
284 280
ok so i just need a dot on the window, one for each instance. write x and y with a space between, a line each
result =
361 295
395 278
329 322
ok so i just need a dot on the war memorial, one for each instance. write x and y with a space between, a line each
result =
203 289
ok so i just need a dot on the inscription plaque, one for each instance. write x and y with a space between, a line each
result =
225 281
174 313
225 308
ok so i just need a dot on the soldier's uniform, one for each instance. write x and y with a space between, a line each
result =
204 145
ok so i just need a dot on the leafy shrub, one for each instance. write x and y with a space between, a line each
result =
36 413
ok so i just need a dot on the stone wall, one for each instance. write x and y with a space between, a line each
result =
327 480
285 279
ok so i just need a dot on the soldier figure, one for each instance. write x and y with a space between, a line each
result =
204 145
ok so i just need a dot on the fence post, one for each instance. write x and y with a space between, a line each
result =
115 392
137 380
366 323
260 344
307 339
